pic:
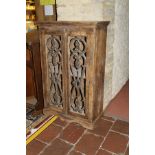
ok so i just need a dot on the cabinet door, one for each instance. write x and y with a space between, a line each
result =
52 50
80 50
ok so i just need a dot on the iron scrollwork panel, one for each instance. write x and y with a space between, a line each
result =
77 65
54 58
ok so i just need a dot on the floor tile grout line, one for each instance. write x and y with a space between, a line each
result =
121 119
89 132
105 137
47 146
58 137
43 149
62 132
113 153
107 119
42 141
111 130
123 134
126 147
68 123
77 142
62 126
50 143
65 141
86 131
59 125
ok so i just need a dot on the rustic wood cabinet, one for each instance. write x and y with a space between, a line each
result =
73 62
33 63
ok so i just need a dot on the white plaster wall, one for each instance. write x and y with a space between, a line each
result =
121 46
115 11
85 10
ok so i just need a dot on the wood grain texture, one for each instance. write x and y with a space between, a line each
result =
80 53
32 40
30 85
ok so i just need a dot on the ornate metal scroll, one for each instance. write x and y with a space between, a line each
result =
53 45
77 47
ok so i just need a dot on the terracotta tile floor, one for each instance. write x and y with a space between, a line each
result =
110 137
119 106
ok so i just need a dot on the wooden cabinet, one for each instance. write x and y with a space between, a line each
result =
33 66
73 62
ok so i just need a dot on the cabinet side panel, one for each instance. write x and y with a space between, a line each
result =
90 75
43 66
99 70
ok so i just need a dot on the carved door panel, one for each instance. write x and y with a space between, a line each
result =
78 53
53 66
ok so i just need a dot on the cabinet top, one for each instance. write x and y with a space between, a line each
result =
74 23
